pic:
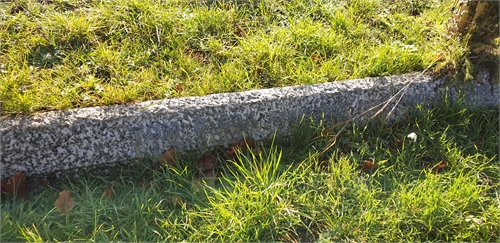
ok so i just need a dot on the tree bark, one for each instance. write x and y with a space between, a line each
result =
479 18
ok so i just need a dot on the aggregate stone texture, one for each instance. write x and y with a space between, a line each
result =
63 140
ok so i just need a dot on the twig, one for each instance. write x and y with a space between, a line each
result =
401 92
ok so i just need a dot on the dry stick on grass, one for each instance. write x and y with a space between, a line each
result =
400 93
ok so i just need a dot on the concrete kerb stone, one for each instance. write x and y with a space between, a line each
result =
64 140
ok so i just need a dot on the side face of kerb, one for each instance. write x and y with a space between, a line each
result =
64 140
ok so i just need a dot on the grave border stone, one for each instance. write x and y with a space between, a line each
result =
43 143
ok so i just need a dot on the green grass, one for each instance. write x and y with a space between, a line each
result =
292 193
63 54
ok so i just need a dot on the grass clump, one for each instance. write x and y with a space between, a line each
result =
374 184
58 55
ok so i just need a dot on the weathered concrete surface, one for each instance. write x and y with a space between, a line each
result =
54 141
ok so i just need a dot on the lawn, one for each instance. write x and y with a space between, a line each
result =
431 176
62 54
376 183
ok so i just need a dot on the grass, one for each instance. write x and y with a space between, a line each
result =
290 192
57 55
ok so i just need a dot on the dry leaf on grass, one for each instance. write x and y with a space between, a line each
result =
170 157
247 143
316 58
206 163
177 201
368 165
16 185
197 186
234 145
443 164
198 56
108 192
258 151
45 182
178 88
396 143
64 202
4 186
239 32
243 146
209 178
438 56
231 154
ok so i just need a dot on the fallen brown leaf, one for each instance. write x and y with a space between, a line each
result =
197 185
196 55
15 185
259 71
206 163
436 58
64 202
316 58
443 164
108 192
257 151
397 143
247 143
45 182
368 164
234 145
4 186
242 146
239 32
209 178
178 88
170 157
176 200
231 153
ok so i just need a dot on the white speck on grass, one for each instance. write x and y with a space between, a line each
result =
412 136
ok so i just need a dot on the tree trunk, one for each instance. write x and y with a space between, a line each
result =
476 23
479 18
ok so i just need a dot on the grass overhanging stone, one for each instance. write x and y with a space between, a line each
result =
59 55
